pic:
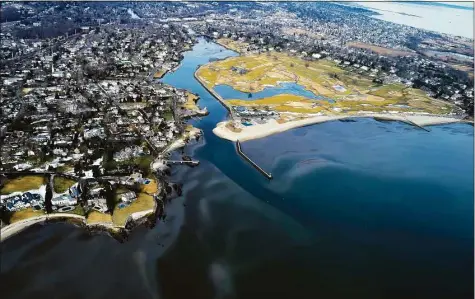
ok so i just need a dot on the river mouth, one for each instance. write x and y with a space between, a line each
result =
363 208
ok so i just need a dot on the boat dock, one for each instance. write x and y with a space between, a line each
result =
239 150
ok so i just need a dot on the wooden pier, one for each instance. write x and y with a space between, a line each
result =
262 171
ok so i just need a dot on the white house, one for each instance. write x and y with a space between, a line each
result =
64 200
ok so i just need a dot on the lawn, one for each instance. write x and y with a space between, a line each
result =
150 188
98 217
25 214
318 76
65 168
22 184
380 50
61 184
285 103
78 210
233 45
191 100
142 203
168 115
159 74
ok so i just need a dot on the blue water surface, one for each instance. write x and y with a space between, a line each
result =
228 92
389 206
361 209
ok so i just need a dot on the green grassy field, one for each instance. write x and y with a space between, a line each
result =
233 45
142 203
25 214
61 184
190 103
98 217
22 184
168 115
320 77
78 210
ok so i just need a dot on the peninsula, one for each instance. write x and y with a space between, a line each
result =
269 92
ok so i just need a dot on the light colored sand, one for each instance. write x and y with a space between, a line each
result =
273 127
14 228
17 227
138 215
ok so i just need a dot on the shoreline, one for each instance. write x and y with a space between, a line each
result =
272 127
19 226
226 46
212 92
14 228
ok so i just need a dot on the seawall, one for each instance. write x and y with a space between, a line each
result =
17 227
240 152
213 93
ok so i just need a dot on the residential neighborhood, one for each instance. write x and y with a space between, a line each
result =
82 99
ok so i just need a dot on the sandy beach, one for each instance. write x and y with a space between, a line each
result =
14 228
19 226
273 127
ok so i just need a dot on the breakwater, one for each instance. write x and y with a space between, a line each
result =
214 94
404 120
240 152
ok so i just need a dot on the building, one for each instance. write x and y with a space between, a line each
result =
64 200
128 196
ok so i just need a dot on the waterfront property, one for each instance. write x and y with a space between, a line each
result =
342 90
25 200
142 203
22 183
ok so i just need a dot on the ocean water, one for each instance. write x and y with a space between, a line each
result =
455 20
228 92
361 209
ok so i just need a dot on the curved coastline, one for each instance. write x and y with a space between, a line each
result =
17 227
273 127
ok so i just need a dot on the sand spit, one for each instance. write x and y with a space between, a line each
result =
273 127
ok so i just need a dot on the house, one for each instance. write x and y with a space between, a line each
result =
64 200
128 196
22 166
316 55
136 176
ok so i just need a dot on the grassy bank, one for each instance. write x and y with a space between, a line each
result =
98 217
61 184
142 203
25 214
22 184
